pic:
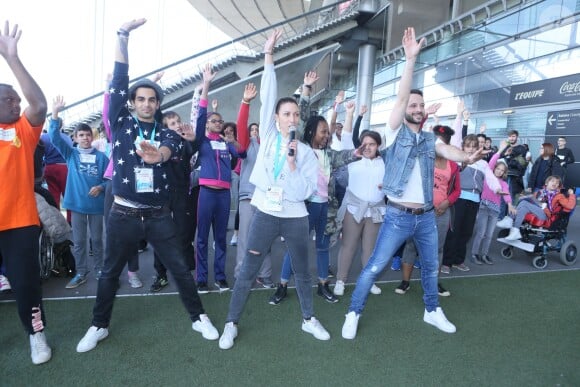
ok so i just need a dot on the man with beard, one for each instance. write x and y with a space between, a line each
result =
408 184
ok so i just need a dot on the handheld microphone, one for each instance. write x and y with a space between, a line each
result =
292 133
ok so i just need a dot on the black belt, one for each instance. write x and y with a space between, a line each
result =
409 210
139 212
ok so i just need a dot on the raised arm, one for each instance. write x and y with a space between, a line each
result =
121 52
412 48
64 148
268 87
37 105
310 78
250 92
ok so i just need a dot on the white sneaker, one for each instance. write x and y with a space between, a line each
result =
4 284
514 234
350 325
40 352
315 328
234 240
135 281
437 319
506 222
92 338
338 288
228 336
376 290
205 327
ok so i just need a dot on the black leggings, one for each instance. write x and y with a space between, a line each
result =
19 249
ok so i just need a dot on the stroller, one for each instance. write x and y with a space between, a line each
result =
541 237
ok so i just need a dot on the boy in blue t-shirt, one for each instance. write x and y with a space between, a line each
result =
85 193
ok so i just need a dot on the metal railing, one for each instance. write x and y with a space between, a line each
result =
249 47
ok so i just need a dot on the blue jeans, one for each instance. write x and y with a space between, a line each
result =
125 229
397 227
264 229
317 218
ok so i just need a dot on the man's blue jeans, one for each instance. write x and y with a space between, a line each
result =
397 227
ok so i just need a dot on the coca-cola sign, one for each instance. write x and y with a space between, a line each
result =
562 89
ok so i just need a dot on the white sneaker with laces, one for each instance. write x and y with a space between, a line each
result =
437 319
315 328
338 288
92 338
4 284
228 336
205 327
350 325
40 352
135 281
234 240
506 222
514 234
376 290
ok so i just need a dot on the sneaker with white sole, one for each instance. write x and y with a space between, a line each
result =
350 325
234 240
403 287
338 288
228 336
376 290
315 328
92 338
40 352
4 284
506 222
135 281
437 319
205 327
76 281
514 234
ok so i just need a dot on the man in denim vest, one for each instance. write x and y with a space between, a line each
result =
410 158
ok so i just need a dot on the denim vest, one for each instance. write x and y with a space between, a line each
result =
400 158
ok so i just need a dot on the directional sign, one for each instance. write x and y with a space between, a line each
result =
562 123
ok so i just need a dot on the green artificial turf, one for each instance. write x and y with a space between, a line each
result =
512 330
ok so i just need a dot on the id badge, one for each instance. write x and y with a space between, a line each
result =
274 196
143 180
218 145
87 158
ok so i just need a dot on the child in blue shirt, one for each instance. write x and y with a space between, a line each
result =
85 193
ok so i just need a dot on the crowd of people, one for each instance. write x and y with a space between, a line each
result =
411 194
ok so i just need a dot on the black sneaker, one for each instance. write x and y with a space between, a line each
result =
486 259
202 288
325 292
280 294
475 258
222 285
403 287
159 283
330 272
442 291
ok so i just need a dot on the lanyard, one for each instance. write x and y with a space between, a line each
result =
152 138
280 158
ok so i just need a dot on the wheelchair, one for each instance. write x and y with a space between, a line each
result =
539 238
45 254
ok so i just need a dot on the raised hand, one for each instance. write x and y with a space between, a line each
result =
208 75
57 105
350 106
133 24
250 92
9 41
363 110
339 97
410 43
433 108
271 42
310 78
214 105
186 132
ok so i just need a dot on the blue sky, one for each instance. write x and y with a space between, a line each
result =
67 45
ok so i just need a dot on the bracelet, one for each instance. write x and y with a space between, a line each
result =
246 102
267 52
309 87
123 33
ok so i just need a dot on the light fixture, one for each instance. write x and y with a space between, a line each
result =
508 111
